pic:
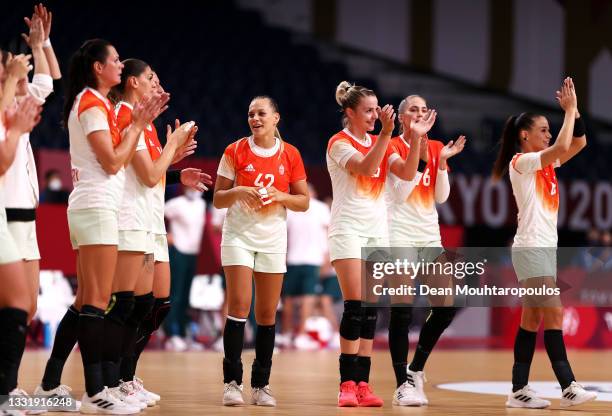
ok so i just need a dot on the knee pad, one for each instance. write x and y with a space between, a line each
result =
400 318
143 305
160 310
443 316
121 307
350 325
368 323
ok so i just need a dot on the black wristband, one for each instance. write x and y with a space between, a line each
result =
173 177
422 166
579 128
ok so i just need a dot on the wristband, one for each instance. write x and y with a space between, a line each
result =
579 128
47 43
422 166
173 177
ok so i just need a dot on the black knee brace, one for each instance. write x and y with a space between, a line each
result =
400 318
160 310
143 305
442 315
368 323
121 307
352 317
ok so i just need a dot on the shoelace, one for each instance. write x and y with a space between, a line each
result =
63 390
19 392
232 386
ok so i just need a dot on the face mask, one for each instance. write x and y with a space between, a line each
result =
55 184
192 195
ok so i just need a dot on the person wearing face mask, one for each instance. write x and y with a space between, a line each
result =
530 160
53 192
186 217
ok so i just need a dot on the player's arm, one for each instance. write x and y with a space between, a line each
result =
568 102
579 140
226 194
368 165
150 172
298 198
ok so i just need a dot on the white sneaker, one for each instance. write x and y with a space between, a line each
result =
283 340
262 396
217 345
125 392
152 396
232 394
418 379
575 394
304 342
176 344
526 397
334 342
106 403
62 391
22 393
406 395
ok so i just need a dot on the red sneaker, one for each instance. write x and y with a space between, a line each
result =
366 397
347 397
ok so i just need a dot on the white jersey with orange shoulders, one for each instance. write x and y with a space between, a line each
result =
414 219
134 212
93 187
248 164
158 192
358 207
536 193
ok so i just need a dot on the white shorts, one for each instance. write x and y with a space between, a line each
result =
416 251
531 262
93 226
8 251
134 240
160 248
24 235
258 261
345 246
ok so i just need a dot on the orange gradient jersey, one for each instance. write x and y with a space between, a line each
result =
415 219
90 100
247 164
536 192
358 207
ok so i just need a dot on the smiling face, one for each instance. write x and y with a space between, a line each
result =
538 136
263 118
363 117
108 72
415 109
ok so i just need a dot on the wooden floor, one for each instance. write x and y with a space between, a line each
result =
305 383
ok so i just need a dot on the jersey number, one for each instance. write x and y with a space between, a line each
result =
268 176
426 178
377 174
553 189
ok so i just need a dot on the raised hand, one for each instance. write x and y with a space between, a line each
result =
422 127
46 17
36 36
18 66
181 133
452 148
24 116
566 96
148 109
387 118
184 151
196 179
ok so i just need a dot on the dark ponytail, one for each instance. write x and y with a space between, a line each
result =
131 68
80 71
510 141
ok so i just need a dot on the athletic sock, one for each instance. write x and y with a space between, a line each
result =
555 348
233 341
65 340
13 326
363 369
90 330
348 367
524 347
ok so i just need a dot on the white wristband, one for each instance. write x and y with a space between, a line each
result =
47 43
